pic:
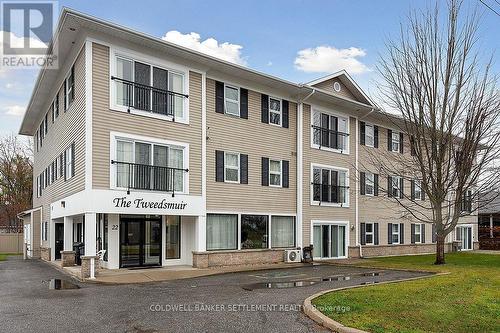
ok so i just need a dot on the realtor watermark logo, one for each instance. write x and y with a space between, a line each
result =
27 30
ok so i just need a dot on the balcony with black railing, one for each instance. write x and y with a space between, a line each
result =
329 138
149 177
148 98
333 194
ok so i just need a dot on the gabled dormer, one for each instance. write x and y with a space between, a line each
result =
341 84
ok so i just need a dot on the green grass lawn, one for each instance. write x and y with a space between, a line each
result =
3 256
467 300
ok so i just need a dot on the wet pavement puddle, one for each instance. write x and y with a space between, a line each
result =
58 284
278 285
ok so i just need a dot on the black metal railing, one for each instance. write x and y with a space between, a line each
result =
149 177
330 193
148 98
325 137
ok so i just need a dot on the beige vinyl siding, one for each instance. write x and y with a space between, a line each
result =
69 127
316 156
105 120
328 86
382 209
256 139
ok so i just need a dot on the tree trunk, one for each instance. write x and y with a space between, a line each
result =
440 250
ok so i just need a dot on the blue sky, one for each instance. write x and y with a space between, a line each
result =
296 40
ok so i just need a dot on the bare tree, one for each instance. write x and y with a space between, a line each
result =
449 109
16 170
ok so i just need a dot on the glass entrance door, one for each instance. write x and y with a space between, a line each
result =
140 241
329 241
464 236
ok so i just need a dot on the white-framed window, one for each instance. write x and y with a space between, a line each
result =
395 233
222 232
369 183
395 141
369 135
395 186
417 191
275 109
146 165
330 186
231 167
282 231
232 100
369 234
142 86
329 131
275 173
418 233
68 159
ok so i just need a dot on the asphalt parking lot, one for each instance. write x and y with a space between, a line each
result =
236 302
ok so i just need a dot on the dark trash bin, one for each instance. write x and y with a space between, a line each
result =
79 249
307 255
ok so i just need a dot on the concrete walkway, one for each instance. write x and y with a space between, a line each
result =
145 275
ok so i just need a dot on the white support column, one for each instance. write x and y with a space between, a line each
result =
491 225
52 239
90 234
68 233
201 233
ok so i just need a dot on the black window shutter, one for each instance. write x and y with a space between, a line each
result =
401 233
375 233
413 233
389 233
375 136
401 143
219 166
412 146
362 132
61 162
433 231
422 230
243 169
362 187
389 139
285 113
265 171
285 172
422 191
363 234
401 188
375 184
72 82
264 109
243 103
219 97
65 96
389 186
412 189
72 159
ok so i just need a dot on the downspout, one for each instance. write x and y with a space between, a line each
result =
300 158
357 185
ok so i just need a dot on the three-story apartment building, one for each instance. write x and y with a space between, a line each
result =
154 154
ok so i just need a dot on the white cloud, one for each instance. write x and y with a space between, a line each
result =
328 59
225 51
14 110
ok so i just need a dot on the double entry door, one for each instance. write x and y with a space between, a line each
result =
140 240
329 241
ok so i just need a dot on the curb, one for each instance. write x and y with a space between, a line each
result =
314 314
